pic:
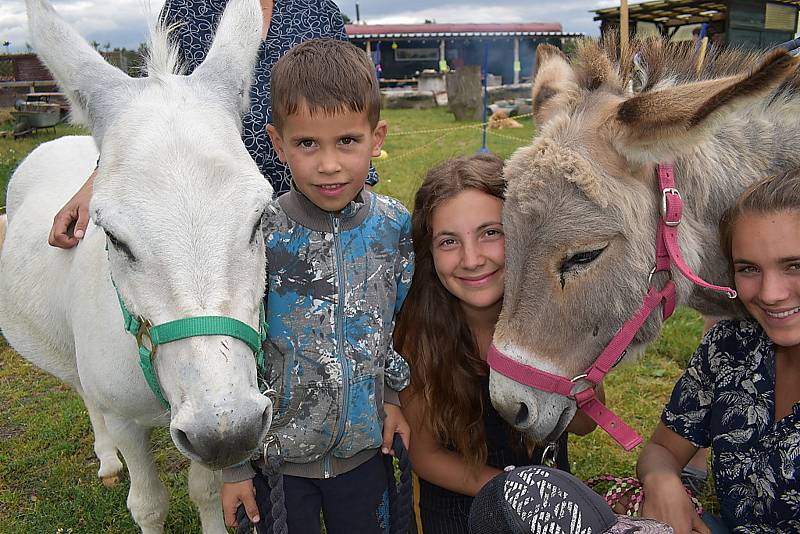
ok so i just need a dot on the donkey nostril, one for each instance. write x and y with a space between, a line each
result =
522 414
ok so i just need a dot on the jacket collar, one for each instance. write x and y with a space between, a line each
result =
300 209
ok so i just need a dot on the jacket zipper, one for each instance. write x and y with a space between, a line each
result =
337 246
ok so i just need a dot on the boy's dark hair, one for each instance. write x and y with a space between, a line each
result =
325 75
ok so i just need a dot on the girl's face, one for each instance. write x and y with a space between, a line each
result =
469 248
766 262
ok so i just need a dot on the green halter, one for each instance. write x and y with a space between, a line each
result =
149 337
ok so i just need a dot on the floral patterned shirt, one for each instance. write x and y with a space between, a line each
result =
726 400
293 21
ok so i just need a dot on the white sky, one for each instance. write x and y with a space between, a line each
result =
123 23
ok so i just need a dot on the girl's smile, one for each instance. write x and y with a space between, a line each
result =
766 261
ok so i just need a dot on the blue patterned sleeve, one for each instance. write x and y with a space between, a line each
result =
397 374
688 412
372 177
336 21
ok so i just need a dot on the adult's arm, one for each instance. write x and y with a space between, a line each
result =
445 468
659 470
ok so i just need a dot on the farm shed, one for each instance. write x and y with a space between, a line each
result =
404 50
747 23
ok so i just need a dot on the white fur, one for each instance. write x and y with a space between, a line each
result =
178 187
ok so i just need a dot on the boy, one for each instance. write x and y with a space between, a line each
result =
340 262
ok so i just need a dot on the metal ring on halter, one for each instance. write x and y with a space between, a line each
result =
581 376
549 455
655 270
271 442
732 294
144 333
272 395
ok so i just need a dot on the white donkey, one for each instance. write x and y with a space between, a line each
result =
176 224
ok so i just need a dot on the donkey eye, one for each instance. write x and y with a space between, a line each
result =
581 258
120 246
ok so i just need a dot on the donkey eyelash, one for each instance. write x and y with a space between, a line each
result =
120 246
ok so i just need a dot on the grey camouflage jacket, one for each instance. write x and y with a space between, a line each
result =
335 283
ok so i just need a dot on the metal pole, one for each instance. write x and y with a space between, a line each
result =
623 27
516 60
484 149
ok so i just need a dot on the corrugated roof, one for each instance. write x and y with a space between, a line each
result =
676 12
447 30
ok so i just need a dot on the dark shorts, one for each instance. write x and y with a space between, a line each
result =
356 501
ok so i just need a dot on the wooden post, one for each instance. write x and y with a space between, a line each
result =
623 28
464 93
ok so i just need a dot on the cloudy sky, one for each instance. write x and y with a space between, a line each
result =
123 23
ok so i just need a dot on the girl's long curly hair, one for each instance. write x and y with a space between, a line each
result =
432 332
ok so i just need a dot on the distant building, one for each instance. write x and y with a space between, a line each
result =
746 23
23 67
404 50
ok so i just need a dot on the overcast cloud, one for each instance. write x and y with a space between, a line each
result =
123 23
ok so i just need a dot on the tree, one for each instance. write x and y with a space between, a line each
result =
346 19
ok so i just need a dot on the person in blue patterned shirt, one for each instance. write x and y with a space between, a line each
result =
340 262
740 393
193 23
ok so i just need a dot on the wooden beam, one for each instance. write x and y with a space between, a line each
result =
623 28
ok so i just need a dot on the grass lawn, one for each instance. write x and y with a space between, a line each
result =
47 465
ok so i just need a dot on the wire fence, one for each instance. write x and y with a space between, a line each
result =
444 132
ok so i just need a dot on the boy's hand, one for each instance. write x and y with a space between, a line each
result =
235 494
395 423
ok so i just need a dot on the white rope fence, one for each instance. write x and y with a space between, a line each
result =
445 132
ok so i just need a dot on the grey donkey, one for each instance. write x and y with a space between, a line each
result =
583 202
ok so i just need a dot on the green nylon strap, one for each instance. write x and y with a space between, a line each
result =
146 363
211 325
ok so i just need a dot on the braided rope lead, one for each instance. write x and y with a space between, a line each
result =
277 499
402 506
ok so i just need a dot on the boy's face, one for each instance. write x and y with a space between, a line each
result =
328 154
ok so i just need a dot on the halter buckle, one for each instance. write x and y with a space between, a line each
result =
664 192
143 338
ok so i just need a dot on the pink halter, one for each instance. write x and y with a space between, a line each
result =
668 253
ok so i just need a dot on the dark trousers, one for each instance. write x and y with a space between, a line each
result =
354 502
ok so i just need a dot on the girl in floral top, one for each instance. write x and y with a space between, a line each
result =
740 394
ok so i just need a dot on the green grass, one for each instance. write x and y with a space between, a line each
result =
410 154
47 465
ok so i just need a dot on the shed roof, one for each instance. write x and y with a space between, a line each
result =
676 12
400 31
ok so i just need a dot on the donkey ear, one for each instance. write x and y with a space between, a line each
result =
661 125
555 84
229 64
96 90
